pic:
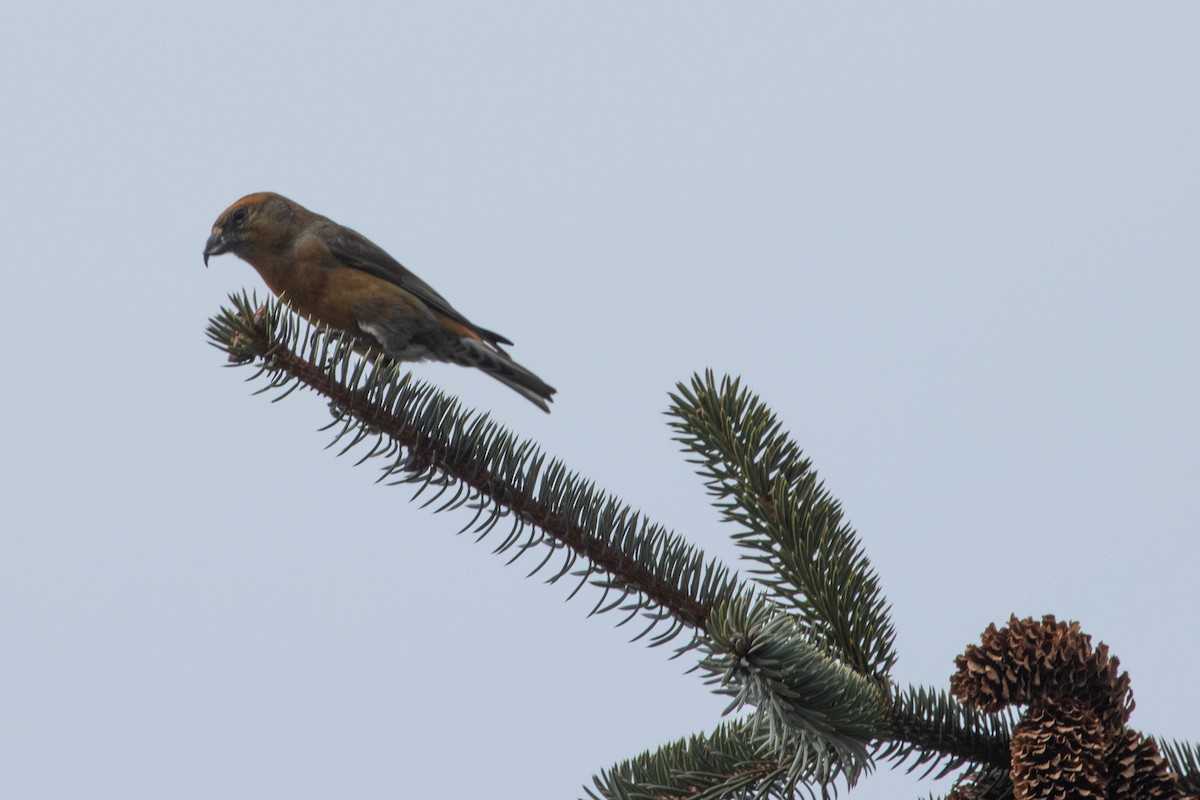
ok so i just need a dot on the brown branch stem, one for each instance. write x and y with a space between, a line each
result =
466 467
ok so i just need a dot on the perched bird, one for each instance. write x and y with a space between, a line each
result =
338 277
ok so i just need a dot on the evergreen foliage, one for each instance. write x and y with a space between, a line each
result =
804 650
807 557
1184 760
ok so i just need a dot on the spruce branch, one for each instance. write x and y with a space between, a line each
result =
465 459
806 555
931 729
983 784
807 704
816 716
727 763
732 762
809 648
1184 761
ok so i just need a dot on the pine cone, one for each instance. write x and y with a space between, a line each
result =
1028 660
1137 770
1058 752
991 784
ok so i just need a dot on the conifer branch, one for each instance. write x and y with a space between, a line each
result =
1184 761
815 714
807 556
428 439
807 703
932 729
810 652
730 763
983 783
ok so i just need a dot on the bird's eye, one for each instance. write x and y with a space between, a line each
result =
239 216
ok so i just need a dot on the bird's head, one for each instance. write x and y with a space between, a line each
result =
254 221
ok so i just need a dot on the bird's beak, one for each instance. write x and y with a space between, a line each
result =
217 244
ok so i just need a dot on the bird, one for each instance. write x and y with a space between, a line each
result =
339 278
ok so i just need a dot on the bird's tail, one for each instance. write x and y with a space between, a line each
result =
499 365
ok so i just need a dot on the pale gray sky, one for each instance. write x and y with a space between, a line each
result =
953 245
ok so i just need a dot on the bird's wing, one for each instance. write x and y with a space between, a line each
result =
357 251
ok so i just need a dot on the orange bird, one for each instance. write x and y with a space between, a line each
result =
338 277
